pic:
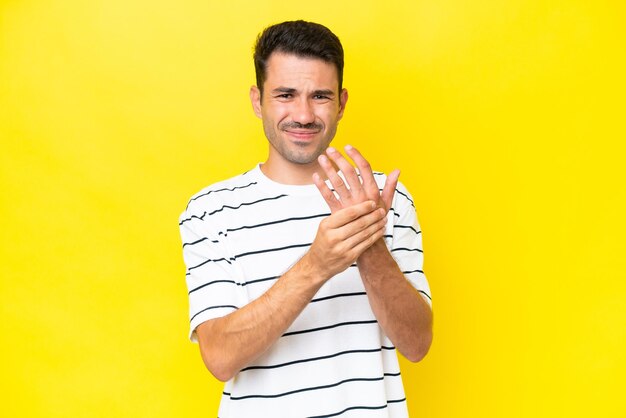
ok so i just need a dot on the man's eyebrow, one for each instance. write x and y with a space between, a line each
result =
324 93
284 90
291 90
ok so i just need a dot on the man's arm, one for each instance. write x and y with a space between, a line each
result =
403 314
401 311
229 343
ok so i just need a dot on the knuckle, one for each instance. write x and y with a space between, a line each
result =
373 229
350 255
353 211
340 247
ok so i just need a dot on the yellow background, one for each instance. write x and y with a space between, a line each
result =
506 118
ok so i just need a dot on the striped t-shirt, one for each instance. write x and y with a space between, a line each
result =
238 237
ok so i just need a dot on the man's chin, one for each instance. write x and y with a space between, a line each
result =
303 158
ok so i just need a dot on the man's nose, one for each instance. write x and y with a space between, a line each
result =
303 112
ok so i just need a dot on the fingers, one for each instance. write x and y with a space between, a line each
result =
326 193
390 188
349 214
348 171
357 235
366 241
353 189
335 249
355 228
335 180
364 169
341 246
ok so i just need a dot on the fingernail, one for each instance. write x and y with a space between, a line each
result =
331 149
348 147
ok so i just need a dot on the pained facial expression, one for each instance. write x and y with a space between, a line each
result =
300 107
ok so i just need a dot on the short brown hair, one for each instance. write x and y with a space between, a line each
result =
300 38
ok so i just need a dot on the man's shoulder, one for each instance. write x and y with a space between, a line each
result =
222 189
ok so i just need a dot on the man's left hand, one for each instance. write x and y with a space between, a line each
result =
352 190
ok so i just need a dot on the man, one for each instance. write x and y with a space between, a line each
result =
304 281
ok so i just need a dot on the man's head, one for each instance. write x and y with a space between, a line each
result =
299 38
298 66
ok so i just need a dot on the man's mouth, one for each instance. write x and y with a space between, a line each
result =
302 134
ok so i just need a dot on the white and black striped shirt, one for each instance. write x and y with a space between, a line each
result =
239 236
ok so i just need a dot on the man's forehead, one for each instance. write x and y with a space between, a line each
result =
284 67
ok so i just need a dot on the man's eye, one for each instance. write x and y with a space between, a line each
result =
285 96
320 97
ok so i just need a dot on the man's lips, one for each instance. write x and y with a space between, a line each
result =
302 133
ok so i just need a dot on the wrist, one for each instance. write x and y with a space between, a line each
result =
377 248
312 271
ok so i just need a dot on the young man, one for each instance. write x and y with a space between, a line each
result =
304 281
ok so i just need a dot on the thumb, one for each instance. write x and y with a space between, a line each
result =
390 188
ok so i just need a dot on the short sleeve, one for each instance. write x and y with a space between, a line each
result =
406 246
210 275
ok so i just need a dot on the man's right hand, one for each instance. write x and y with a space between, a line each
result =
342 237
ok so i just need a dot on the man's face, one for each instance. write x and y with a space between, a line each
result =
300 107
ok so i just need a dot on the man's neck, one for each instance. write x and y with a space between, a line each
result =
289 173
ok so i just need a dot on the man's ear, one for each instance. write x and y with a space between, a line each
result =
343 99
255 99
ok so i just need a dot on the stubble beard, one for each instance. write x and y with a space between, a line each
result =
293 152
